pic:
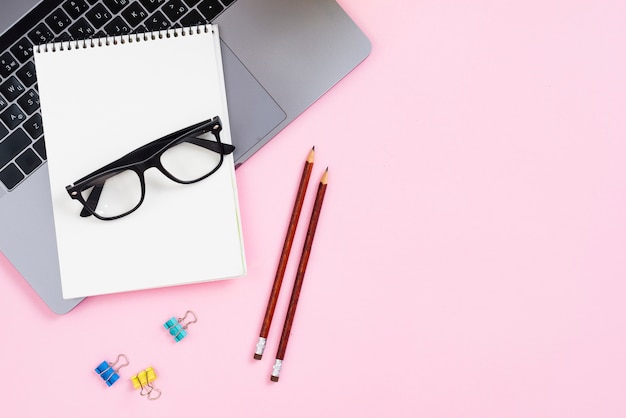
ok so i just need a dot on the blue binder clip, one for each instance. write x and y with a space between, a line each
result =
109 371
178 327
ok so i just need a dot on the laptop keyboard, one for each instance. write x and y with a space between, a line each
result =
22 148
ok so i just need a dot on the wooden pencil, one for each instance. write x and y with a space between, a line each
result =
297 286
284 256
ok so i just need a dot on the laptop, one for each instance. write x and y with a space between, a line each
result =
279 57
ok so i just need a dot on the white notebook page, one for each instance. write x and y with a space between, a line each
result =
101 102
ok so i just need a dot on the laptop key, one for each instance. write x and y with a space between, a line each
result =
29 102
75 8
58 21
12 88
11 176
28 161
41 34
34 128
227 2
98 15
193 18
134 14
117 27
174 9
26 74
13 145
157 21
3 131
116 6
3 103
40 147
192 3
210 8
151 5
22 50
7 64
81 29
13 116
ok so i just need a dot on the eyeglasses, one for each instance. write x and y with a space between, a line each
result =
118 189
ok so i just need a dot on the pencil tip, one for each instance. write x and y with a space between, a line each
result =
324 179
309 159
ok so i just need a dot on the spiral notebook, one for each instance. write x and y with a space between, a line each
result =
103 98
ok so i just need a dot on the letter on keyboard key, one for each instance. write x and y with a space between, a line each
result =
117 27
29 102
26 74
58 21
41 34
75 8
23 50
157 21
33 127
134 14
12 116
13 145
98 15
174 9
7 64
11 89
81 29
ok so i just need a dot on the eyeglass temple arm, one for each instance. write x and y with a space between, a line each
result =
140 153
211 145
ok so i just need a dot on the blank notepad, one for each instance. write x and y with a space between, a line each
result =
103 98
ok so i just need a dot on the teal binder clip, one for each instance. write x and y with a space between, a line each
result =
109 372
178 327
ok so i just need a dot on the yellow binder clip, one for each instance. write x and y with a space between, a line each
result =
143 380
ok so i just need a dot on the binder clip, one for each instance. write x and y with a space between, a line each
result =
178 327
143 381
109 371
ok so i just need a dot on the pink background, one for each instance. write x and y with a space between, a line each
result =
469 260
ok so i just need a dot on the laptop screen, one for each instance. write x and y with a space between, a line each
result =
13 10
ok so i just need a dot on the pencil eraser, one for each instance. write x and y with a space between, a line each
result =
274 378
257 356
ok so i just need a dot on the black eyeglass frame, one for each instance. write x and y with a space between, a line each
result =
145 157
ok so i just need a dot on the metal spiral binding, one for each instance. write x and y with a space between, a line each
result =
121 39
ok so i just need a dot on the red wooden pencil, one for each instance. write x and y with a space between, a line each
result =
297 286
284 256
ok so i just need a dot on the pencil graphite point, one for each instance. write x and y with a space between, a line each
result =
324 179
311 156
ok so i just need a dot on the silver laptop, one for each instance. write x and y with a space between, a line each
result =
279 57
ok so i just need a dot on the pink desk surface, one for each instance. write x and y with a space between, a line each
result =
469 261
